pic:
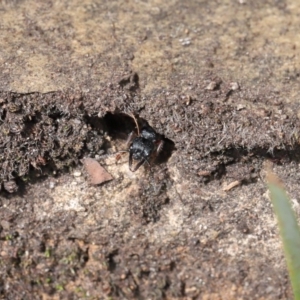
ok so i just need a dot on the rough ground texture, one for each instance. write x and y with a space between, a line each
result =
218 79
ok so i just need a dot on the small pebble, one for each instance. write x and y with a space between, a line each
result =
185 41
5 224
234 86
240 107
52 184
10 186
211 86
77 174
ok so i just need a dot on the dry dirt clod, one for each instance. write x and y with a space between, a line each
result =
234 86
212 86
10 186
97 174
204 173
231 185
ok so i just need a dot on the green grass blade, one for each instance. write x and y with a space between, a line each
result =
288 228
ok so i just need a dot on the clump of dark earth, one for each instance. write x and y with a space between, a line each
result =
53 131
38 131
50 130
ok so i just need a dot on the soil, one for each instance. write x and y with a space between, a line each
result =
217 80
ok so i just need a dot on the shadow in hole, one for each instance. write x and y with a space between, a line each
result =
166 152
120 125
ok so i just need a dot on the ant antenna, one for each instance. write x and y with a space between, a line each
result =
122 151
135 121
114 153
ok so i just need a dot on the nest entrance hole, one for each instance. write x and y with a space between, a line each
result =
120 125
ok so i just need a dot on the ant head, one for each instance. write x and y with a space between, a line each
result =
141 148
148 133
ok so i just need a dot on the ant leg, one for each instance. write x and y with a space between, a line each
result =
130 161
160 146
130 138
119 154
140 163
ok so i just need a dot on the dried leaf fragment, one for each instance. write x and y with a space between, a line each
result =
97 174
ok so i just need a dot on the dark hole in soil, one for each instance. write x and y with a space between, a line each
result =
3 113
111 261
120 125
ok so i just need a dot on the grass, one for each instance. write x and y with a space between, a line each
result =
288 228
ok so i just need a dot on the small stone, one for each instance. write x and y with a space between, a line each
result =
204 173
185 41
10 186
212 86
77 174
234 86
77 121
240 107
5 224
189 100
52 184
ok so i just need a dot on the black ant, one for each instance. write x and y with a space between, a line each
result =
143 145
